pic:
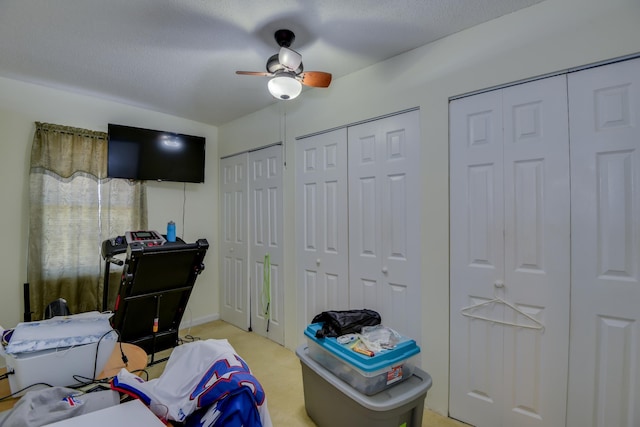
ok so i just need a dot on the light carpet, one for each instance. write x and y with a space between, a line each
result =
278 370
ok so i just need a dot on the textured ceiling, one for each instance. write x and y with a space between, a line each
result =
179 56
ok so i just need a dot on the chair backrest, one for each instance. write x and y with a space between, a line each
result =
55 308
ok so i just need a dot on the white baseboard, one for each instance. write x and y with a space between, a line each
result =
188 323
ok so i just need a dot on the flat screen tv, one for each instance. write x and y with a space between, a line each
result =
145 154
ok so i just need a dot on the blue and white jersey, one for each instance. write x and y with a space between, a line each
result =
205 384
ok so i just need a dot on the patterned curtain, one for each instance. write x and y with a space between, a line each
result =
74 208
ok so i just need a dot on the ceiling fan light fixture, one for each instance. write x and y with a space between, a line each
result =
284 86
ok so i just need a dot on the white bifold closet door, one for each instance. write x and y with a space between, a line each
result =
509 195
252 228
604 380
265 239
322 224
234 249
358 208
384 220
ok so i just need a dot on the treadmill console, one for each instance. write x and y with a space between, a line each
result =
145 237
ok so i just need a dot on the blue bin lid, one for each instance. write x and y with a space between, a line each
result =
381 360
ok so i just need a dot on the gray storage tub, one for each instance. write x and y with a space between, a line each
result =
331 402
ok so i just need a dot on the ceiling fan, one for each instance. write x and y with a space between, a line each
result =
286 70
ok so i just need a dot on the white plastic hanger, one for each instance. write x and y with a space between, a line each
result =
467 311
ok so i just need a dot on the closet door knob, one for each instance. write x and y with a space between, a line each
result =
385 270
318 261
499 284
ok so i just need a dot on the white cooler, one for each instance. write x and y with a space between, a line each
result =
62 351
57 367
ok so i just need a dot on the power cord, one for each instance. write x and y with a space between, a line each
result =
85 381
123 356
82 380
187 338
9 396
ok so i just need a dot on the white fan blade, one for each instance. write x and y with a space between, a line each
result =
289 58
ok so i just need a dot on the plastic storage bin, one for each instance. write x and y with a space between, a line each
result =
58 367
368 375
331 402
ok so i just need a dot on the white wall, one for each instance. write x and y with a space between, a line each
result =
23 104
548 37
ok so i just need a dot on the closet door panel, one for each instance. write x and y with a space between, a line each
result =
364 212
605 158
266 225
234 250
537 251
400 203
477 258
322 224
384 223
366 286
509 239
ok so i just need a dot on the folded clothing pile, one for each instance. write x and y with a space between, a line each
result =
205 383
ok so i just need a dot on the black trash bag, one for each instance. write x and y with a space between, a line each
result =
336 323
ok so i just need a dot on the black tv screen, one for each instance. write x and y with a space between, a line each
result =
145 154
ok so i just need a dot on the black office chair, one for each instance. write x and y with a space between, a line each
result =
58 307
